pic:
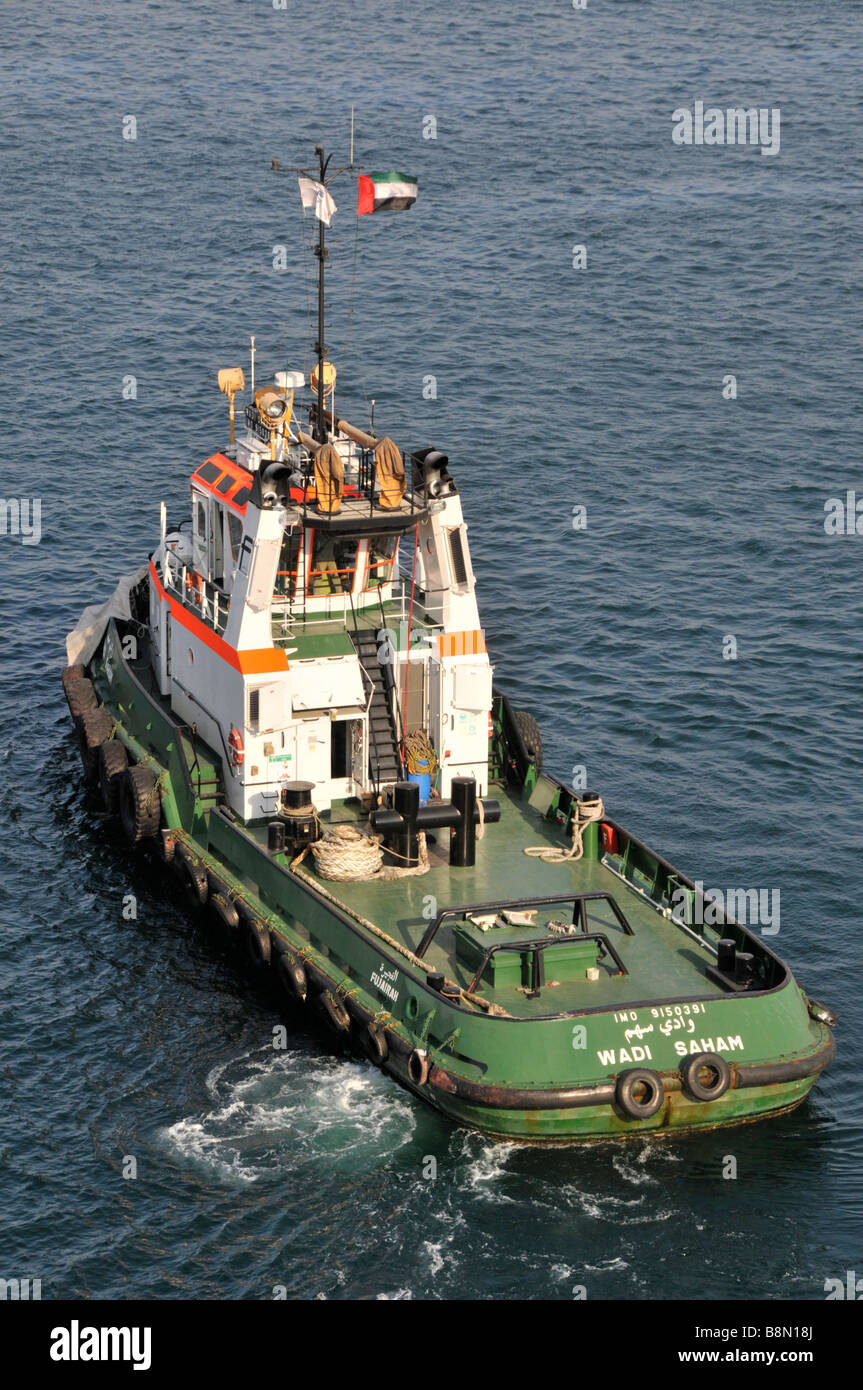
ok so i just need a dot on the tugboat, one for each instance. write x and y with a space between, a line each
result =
292 707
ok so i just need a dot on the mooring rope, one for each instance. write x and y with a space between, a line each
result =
587 810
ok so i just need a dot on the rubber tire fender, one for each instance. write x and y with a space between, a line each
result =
192 875
72 673
92 728
256 935
293 977
375 1045
112 761
624 1093
695 1089
81 696
334 1012
140 803
419 1066
166 846
529 730
224 911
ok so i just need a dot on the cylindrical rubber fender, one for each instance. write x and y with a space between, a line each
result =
72 673
699 1086
140 803
419 1066
529 730
81 696
257 938
193 877
224 911
166 844
293 977
334 1012
92 728
375 1045
111 762
639 1093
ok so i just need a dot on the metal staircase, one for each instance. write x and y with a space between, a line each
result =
385 763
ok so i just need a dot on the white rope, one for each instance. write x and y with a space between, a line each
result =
346 855
587 810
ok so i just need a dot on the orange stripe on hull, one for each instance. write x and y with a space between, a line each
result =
462 643
256 661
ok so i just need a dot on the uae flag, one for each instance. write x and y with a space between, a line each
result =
378 192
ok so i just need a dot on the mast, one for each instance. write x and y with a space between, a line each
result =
320 346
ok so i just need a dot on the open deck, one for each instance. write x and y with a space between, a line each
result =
663 960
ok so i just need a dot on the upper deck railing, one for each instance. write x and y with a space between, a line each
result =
198 595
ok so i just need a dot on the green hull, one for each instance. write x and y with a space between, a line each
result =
538 1069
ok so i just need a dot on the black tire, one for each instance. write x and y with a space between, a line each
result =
293 977
91 730
81 696
72 673
112 761
714 1085
419 1066
166 845
140 804
639 1093
257 940
193 877
375 1045
529 730
334 1012
224 912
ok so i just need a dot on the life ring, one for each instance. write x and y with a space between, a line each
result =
236 748
639 1093
419 1066
293 977
718 1076
194 586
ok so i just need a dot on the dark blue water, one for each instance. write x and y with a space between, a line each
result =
555 387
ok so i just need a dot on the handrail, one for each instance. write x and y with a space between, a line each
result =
579 912
536 948
211 594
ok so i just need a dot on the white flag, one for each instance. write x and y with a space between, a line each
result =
314 195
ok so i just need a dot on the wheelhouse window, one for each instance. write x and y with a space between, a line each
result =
333 565
289 560
382 553
235 535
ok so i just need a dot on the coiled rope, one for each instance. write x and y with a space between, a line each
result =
419 753
347 855
587 810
